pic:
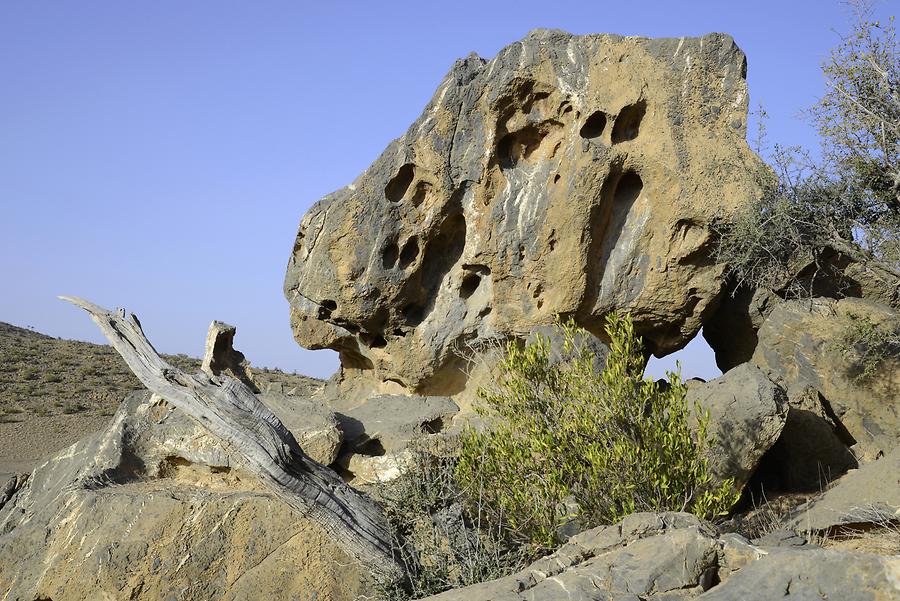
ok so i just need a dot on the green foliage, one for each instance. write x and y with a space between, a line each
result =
858 119
868 344
771 239
438 535
613 442
850 196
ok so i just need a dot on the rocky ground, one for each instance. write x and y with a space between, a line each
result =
54 391
568 176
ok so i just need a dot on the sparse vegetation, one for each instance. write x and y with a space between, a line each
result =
49 376
438 534
868 344
849 199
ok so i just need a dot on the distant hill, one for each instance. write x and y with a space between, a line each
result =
43 376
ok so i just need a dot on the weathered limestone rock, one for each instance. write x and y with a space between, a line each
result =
570 175
647 556
220 356
811 573
797 348
313 425
155 508
747 413
378 433
865 496
675 556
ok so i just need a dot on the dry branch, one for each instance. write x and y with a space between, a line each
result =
229 410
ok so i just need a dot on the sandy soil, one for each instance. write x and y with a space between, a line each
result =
27 443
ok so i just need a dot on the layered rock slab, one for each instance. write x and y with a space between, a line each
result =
799 348
570 175
155 508
675 556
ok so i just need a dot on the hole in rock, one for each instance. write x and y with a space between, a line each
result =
421 192
399 184
371 448
594 125
628 188
697 360
409 253
326 307
413 314
469 285
443 251
514 147
628 122
434 426
389 255
373 340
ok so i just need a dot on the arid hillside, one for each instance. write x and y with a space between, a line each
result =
54 391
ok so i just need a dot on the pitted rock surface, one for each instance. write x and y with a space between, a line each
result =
570 175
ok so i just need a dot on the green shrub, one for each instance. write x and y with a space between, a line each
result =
562 435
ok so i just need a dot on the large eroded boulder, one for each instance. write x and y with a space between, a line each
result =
155 508
799 347
569 175
747 413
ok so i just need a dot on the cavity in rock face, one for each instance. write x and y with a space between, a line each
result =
566 169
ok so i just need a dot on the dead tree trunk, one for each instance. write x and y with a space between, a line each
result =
229 410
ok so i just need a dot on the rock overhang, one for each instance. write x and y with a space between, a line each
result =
568 176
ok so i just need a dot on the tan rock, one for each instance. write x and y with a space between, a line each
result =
797 347
569 175
155 508
220 356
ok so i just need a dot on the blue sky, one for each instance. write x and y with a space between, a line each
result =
159 155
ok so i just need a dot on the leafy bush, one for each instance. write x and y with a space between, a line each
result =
563 436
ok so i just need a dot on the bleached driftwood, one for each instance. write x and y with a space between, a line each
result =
229 410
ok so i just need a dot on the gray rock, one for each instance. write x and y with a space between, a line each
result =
672 556
811 575
646 556
747 413
813 447
313 425
869 495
